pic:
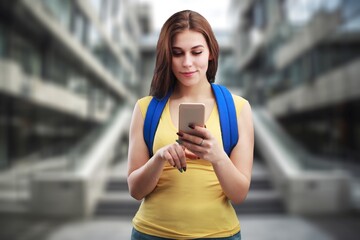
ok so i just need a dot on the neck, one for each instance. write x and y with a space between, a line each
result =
193 93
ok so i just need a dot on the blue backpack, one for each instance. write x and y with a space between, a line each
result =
227 114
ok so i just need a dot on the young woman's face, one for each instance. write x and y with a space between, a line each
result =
190 57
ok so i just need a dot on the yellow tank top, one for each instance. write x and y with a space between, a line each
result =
189 204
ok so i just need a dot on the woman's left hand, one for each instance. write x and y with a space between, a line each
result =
202 144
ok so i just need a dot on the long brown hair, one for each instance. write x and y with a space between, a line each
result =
164 79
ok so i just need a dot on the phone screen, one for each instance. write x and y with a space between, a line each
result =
191 113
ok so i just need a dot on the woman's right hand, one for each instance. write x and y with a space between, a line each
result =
174 154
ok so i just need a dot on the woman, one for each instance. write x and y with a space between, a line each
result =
187 185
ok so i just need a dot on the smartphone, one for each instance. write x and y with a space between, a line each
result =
191 113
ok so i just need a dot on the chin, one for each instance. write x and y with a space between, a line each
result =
189 81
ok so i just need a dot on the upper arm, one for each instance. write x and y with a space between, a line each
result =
243 153
138 153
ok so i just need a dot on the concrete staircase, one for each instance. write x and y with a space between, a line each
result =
116 200
262 198
15 182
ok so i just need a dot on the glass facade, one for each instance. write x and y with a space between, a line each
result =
52 65
314 63
86 32
61 10
285 67
300 12
41 54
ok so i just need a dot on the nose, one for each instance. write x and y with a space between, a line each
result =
187 60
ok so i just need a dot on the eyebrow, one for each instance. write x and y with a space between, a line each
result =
197 46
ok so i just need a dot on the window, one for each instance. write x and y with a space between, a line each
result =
350 8
26 55
104 11
96 4
79 26
115 8
300 12
94 38
57 69
2 41
77 82
61 10
259 14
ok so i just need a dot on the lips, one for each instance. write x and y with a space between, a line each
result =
188 74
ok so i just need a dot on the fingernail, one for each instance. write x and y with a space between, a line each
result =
180 134
184 168
179 141
192 126
180 170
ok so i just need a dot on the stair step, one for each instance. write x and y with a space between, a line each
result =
261 201
260 184
117 184
14 201
120 203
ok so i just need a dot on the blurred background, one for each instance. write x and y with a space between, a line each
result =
72 70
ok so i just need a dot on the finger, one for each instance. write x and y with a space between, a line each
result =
180 150
200 131
171 161
194 147
188 138
167 156
175 158
179 141
191 155
196 138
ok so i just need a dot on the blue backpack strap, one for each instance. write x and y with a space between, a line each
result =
227 115
152 118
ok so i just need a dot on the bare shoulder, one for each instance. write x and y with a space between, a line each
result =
137 152
243 107
137 119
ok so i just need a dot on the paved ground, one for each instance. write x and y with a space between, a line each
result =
263 227
254 227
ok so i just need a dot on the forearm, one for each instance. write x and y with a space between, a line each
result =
143 180
235 184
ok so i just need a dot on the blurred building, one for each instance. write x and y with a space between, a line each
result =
298 64
68 79
65 67
301 60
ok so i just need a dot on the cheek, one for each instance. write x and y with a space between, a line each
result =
204 63
175 64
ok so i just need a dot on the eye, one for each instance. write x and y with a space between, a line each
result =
176 53
197 52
